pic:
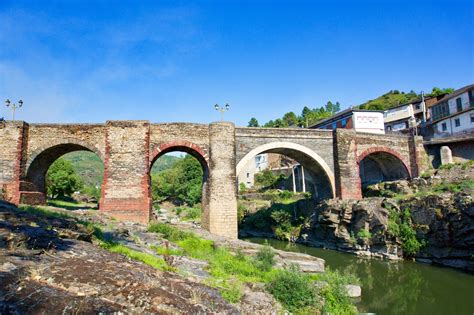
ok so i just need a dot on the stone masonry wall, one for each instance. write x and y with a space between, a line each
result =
221 216
12 135
320 141
126 186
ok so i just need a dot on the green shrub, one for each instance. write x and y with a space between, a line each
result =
364 234
193 213
410 244
265 257
293 289
336 300
241 212
242 188
285 194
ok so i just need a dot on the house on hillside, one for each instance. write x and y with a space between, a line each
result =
402 118
370 121
453 115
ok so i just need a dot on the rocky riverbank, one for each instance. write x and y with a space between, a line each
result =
430 219
54 261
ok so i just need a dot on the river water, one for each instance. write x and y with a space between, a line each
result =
402 287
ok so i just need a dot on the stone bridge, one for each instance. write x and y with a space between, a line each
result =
337 161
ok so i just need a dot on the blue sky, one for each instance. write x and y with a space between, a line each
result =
92 61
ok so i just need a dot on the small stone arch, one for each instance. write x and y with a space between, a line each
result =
379 164
280 147
387 150
180 145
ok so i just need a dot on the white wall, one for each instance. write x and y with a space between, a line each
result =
371 122
464 99
398 113
465 127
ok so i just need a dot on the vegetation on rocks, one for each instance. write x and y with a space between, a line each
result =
231 271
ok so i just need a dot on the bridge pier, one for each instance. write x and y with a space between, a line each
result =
220 214
126 185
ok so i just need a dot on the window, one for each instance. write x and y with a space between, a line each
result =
472 118
417 106
343 122
248 175
441 110
457 122
444 127
459 104
334 125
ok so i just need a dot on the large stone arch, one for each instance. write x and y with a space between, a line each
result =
41 159
297 152
391 165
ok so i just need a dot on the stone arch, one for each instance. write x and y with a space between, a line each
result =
183 146
381 164
41 159
297 152
192 149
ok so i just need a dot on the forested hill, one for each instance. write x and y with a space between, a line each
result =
91 169
310 116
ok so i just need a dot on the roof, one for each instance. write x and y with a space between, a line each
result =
345 113
455 93
417 101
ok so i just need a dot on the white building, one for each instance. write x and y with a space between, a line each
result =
453 115
370 121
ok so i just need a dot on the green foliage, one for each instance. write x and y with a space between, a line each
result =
193 214
336 300
148 259
364 234
266 178
182 183
253 122
400 225
170 232
241 212
437 91
465 185
307 118
294 290
242 188
265 257
61 179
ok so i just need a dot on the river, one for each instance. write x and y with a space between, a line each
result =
401 287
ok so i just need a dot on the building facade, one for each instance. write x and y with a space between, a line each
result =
370 121
453 115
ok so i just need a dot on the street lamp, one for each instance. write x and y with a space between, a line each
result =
222 109
13 107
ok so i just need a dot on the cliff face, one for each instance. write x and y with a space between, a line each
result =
431 220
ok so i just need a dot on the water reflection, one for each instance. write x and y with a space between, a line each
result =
399 287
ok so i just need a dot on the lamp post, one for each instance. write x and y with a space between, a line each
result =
14 107
222 109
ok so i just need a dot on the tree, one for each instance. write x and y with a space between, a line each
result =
181 183
437 91
253 122
290 119
61 179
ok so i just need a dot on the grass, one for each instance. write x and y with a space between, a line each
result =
70 205
230 271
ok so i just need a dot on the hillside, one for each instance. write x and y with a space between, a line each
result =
387 100
90 167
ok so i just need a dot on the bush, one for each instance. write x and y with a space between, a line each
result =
364 234
336 300
266 178
265 257
293 289
61 179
